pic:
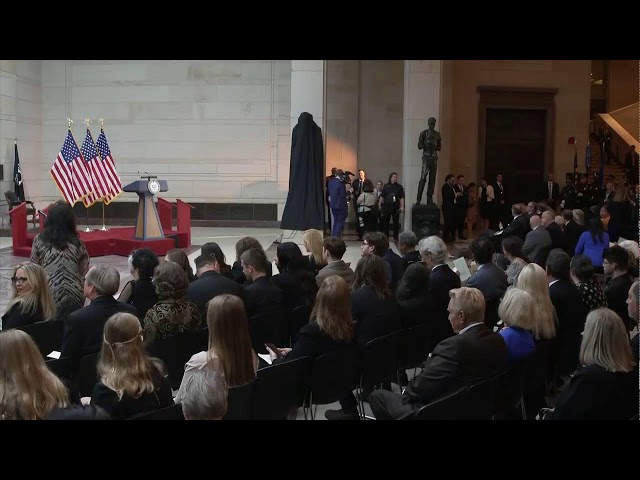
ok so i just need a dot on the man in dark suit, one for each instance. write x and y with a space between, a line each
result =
264 301
338 203
407 241
462 202
449 200
518 227
326 195
210 284
358 184
442 279
551 192
536 240
474 354
84 328
631 164
333 249
489 279
558 238
502 207
616 264
572 231
570 310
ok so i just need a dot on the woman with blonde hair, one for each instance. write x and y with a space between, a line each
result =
28 389
312 240
605 387
130 382
31 301
517 311
229 352
533 280
330 326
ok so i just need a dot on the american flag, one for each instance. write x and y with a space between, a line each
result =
97 170
70 173
113 181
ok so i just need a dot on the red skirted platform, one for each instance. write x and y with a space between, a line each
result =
116 240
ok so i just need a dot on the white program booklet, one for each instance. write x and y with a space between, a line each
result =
55 354
461 267
266 357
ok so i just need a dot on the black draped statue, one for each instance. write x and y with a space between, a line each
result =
304 208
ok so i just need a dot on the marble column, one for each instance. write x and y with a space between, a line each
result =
422 99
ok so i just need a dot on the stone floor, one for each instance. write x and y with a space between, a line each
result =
225 237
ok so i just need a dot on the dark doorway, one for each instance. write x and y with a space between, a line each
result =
515 146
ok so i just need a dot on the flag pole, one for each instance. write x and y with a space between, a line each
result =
104 226
87 121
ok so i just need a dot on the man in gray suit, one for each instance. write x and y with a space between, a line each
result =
490 279
333 250
537 239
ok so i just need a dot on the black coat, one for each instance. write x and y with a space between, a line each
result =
209 285
15 318
374 316
313 342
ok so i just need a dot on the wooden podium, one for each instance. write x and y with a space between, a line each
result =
148 222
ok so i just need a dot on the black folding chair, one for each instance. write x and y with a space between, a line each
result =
280 388
240 402
509 393
172 412
87 375
176 350
46 335
412 348
379 363
298 318
447 407
333 375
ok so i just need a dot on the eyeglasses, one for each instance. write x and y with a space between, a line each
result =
19 280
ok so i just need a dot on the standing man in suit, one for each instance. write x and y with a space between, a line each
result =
433 252
209 284
338 203
449 201
551 192
572 231
357 185
462 202
489 279
333 249
631 165
474 354
537 239
84 328
502 208
326 198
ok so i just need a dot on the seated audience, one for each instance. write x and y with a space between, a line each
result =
264 302
407 242
297 283
83 329
204 396
31 301
591 293
242 246
312 240
616 264
180 257
474 354
604 386
333 248
412 295
210 283
537 240
592 243
79 412
173 314
28 389
533 279
213 249
512 250
130 382
631 246
376 243
634 314
517 312
330 327
140 291
229 351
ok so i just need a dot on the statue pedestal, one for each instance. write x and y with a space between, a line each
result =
425 220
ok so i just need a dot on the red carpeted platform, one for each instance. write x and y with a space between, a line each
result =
115 240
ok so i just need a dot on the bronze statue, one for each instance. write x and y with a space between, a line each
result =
430 143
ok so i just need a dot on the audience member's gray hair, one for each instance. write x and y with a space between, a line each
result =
435 246
106 279
408 238
204 395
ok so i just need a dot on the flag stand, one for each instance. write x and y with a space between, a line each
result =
88 229
104 227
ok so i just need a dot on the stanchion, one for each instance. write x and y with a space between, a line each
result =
104 226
